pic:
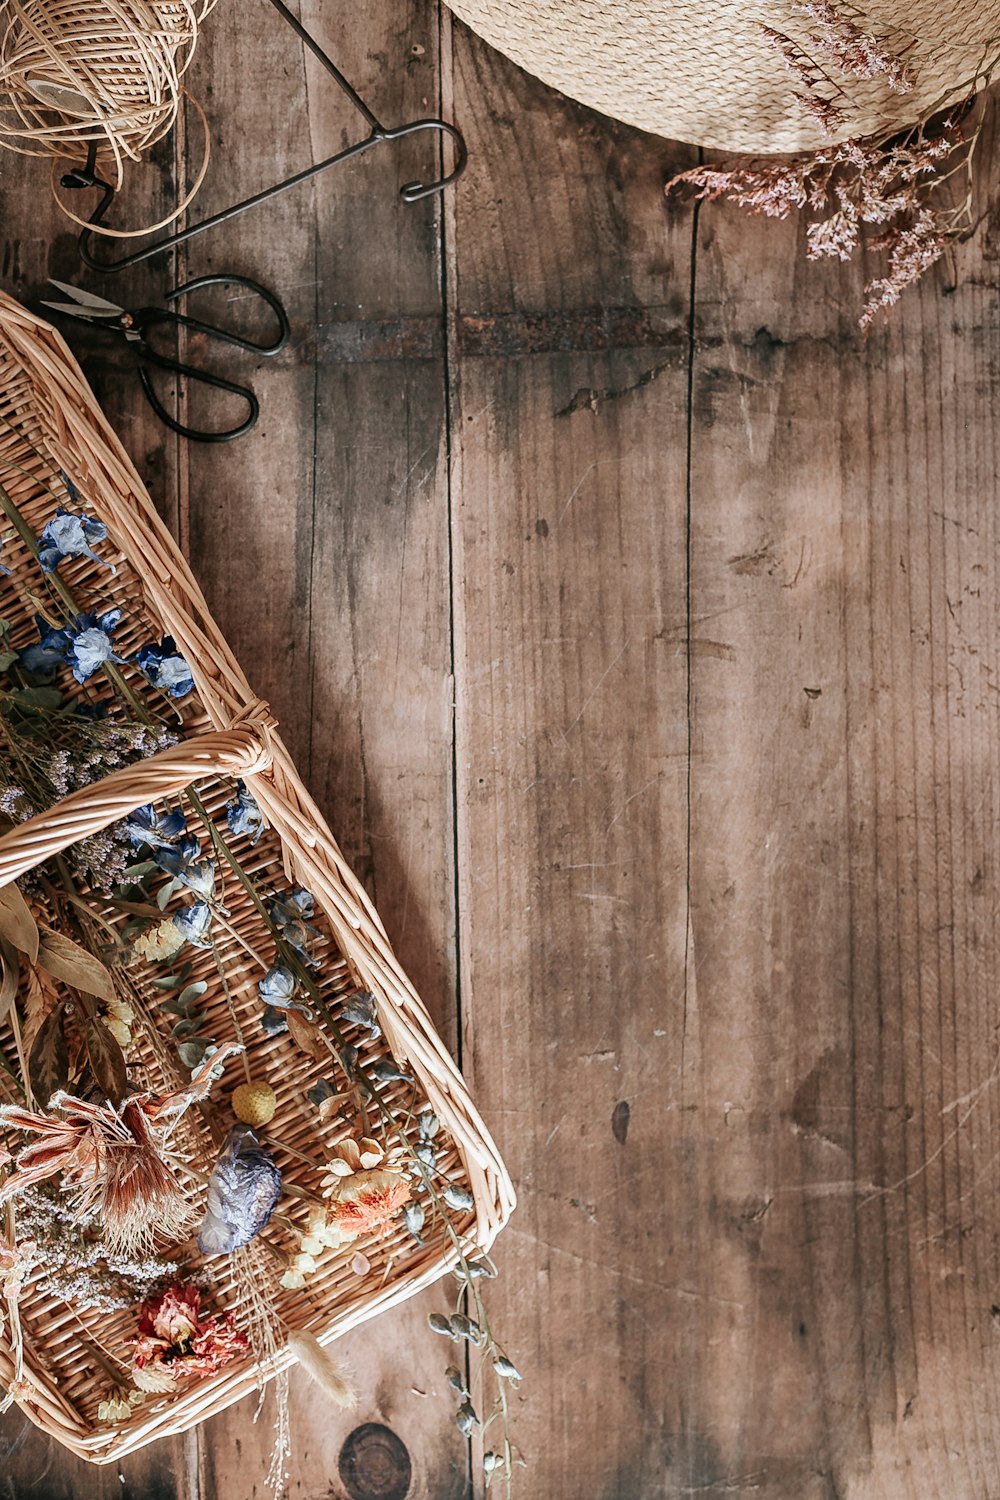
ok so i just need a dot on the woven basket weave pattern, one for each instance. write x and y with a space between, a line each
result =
705 74
50 423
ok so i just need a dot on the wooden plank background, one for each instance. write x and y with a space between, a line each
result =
635 624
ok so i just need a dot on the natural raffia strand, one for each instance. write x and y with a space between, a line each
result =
108 72
706 74
49 422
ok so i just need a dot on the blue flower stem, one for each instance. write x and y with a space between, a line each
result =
232 1009
65 594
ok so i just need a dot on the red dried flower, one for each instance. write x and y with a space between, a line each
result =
175 1343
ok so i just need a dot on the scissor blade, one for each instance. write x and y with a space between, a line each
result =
86 304
88 315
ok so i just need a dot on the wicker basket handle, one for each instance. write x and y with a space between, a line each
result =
229 752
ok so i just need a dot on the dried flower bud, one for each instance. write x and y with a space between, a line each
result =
465 1418
458 1197
413 1218
438 1323
505 1369
456 1380
466 1328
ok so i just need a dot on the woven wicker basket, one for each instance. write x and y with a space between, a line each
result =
49 423
706 73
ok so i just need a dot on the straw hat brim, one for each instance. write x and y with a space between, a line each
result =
706 74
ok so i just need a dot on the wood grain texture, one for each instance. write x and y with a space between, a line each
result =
322 546
572 744
635 624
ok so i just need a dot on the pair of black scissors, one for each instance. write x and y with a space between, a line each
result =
135 325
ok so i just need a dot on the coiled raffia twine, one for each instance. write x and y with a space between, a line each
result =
74 72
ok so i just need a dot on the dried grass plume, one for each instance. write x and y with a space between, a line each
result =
329 1373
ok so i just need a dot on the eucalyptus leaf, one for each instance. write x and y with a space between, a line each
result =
7 660
192 1053
141 870
167 982
107 1061
37 697
164 894
188 1026
48 1063
17 924
66 960
193 992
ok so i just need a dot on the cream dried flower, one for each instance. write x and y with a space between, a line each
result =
161 941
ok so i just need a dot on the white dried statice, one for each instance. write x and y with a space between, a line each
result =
77 1265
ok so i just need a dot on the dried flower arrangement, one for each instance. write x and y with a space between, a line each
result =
165 990
894 184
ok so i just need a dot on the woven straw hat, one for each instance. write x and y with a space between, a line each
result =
706 73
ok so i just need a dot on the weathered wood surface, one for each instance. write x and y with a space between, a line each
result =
635 623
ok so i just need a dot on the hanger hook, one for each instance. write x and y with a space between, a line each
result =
412 192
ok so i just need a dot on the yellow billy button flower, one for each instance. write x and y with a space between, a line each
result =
254 1103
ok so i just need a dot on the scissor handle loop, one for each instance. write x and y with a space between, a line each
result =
222 334
150 357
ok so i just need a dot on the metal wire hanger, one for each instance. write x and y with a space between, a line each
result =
411 192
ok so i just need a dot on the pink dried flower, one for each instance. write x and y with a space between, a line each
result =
838 235
857 184
912 249
824 111
770 188
791 54
854 51
175 1342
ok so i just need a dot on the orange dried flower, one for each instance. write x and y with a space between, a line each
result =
367 1187
367 1203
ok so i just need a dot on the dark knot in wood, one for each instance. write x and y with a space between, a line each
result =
374 1464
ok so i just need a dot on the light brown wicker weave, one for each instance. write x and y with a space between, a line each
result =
49 422
705 73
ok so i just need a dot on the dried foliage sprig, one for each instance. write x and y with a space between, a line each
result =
889 195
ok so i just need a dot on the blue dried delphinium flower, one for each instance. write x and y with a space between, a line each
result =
3 570
277 988
273 1021
176 858
92 646
68 535
165 668
155 829
359 1010
194 923
242 1192
287 912
42 659
243 815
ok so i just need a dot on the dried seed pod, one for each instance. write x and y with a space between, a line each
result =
438 1323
